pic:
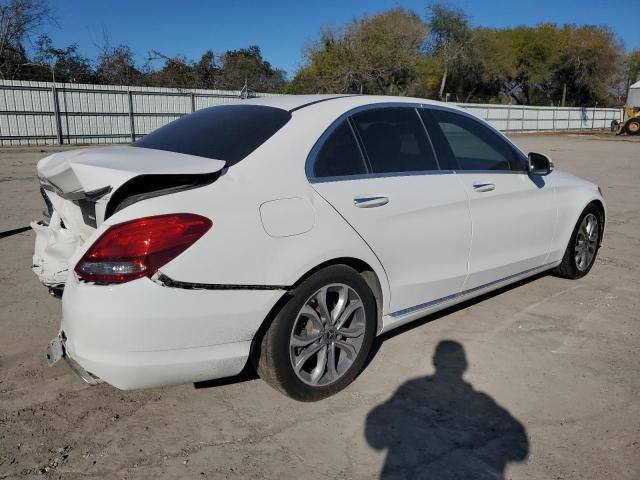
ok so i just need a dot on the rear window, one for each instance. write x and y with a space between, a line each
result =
225 132
395 140
340 155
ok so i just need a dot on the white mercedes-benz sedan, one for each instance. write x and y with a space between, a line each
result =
285 233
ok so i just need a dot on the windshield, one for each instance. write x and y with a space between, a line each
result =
225 132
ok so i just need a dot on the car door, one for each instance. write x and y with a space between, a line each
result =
378 170
513 214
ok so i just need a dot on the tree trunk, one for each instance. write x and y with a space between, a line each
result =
468 97
444 81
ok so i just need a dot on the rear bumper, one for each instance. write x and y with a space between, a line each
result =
158 369
141 334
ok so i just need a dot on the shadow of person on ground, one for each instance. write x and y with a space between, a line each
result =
439 427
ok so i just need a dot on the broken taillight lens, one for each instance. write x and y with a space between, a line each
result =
138 248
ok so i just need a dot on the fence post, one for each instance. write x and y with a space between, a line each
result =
554 118
193 102
132 123
56 111
508 116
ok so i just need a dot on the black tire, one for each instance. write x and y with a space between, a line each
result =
272 358
568 268
632 127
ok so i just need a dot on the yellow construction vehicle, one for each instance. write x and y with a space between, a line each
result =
631 120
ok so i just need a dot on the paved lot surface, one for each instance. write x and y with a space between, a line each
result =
550 390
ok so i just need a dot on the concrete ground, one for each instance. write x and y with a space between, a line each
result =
550 390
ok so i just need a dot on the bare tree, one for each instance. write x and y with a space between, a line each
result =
116 66
18 20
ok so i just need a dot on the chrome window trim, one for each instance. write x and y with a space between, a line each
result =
499 172
367 176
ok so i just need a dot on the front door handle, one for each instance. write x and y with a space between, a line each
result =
484 187
370 202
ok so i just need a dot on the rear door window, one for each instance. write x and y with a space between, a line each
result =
394 140
340 155
466 144
225 132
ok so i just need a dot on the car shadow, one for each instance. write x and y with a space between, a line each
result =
248 373
440 427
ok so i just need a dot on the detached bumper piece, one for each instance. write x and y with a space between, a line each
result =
56 351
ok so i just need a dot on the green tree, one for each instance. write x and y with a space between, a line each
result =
247 65
377 54
449 38
66 63
176 72
206 71
587 65
632 64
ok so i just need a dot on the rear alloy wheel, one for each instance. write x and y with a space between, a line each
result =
327 335
632 127
581 252
320 339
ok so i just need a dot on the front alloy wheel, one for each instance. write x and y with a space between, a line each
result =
581 252
586 242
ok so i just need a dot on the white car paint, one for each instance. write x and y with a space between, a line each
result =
516 239
435 243
286 217
404 234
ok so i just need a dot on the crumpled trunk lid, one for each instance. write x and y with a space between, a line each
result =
78 185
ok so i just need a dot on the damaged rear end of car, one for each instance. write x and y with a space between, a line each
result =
83 188
116 216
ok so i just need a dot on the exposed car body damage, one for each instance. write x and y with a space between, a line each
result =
54 246
143 187
82 188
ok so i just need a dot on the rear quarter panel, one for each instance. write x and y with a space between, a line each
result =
238 249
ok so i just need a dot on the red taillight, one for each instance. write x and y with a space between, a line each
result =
138 248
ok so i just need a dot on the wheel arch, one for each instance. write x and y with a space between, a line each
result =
603 212
362 267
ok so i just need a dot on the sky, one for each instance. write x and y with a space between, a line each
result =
282 28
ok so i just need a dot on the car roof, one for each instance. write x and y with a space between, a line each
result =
297 102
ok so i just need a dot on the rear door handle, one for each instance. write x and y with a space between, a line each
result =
370 202
484 187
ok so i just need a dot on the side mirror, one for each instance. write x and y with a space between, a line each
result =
539 164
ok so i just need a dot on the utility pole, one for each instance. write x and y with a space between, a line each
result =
564 94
